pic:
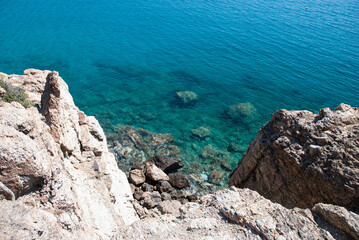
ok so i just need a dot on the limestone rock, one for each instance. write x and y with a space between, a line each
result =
299 158
56 162
340 218
154 173
137 176
228 214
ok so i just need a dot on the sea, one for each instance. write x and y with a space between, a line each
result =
126 60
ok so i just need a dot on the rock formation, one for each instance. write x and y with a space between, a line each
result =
55 161
229 214
300 158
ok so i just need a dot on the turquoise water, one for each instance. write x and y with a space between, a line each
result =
125 60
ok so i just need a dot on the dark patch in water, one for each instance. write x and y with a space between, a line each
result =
120 71
185 76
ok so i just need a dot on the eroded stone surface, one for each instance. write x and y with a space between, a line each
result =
299 158
55 160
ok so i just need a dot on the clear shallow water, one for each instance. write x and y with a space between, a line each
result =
124 60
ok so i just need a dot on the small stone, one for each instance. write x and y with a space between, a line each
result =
155 174
178 180
215 177
137 176
201 132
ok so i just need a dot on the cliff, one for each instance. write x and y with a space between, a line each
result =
54 160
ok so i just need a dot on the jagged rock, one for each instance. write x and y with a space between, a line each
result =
300 158
166 164
137 176
164 186
48 158
154 173
201 132
340 218
187 98
251 217
178 180
215 177
242 111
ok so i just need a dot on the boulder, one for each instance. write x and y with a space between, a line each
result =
178 180
187 98
137 176
300 158
166 164
154 173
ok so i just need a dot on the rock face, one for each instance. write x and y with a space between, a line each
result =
229 214
55 161
299 158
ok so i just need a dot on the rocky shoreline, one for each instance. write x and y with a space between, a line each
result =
299 179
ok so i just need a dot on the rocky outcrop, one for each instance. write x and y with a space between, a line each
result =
229 214
55 161
300 158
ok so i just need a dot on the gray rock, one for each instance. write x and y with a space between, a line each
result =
299 159
178 180
340 218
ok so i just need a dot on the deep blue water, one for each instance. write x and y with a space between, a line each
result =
124 60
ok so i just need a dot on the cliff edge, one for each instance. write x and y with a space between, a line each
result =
55 164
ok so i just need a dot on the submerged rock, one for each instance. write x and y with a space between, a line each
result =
242 111
201 132
215 177
187 98
300 158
